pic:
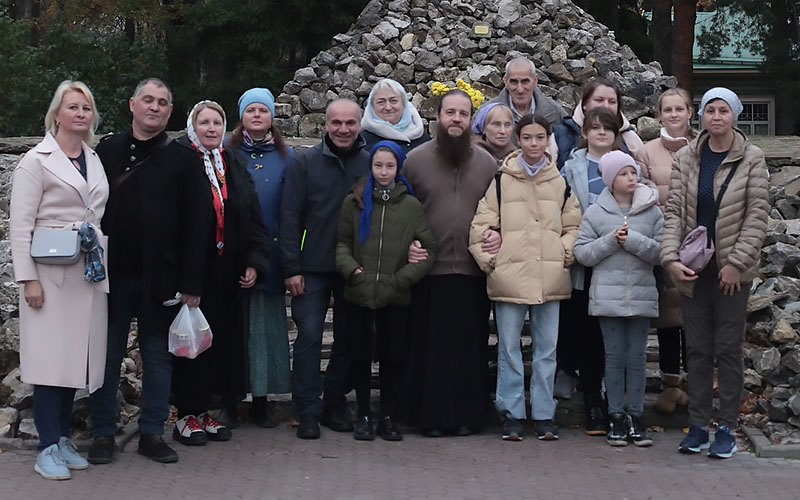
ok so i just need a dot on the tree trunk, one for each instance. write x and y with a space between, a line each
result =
130 30
682 42
661 32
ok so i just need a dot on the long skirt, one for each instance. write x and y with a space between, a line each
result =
445 375
268 343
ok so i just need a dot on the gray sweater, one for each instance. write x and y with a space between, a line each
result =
623 284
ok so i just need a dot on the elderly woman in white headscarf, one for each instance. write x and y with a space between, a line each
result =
719 181
236 251
390 115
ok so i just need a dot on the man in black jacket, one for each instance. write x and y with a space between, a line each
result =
317 181
157 220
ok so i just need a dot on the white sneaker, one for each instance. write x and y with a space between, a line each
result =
51 465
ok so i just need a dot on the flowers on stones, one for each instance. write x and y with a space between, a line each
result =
439 88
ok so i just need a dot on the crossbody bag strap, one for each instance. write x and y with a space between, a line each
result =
131 169
722 190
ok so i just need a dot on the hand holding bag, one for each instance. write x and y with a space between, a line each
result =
189 334
697 248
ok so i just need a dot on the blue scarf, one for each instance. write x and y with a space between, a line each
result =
366 198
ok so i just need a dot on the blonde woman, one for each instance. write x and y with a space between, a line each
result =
61 184
655 160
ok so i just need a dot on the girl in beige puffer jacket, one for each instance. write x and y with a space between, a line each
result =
538 219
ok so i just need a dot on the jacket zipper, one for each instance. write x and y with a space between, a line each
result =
380 246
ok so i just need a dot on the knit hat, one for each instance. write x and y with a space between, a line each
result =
366 212
257 94
726 95
611 163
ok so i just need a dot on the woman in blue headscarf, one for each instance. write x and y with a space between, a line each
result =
258 142
378 222
390 115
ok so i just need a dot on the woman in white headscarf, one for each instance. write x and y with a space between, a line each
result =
236 252
389 115
718 181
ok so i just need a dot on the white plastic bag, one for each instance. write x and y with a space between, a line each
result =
189 333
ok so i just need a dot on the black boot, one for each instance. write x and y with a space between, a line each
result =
618 430
337 418
594 408
638 432
262 416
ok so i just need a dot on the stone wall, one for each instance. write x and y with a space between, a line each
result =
417 42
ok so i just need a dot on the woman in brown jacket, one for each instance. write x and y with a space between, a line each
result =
655 160
714 299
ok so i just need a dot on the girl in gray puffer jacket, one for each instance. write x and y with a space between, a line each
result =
620 237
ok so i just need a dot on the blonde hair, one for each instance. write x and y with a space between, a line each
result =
500 108
687 99
207 105
50 124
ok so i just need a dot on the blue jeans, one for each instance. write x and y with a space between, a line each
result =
308 313
625 342
125 301
510 393
52 413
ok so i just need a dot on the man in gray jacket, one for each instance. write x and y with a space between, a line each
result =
317 181
523 96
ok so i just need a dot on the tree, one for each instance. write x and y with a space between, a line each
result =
770 28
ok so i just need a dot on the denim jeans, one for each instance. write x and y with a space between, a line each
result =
124 302
625 341
52 413
308 313
510 393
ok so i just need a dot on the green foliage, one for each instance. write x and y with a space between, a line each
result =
104 60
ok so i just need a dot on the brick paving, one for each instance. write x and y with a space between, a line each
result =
274 464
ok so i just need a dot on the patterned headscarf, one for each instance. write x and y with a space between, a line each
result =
215 170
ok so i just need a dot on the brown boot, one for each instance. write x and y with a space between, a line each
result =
672 395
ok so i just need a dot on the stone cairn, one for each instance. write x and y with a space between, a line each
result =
417 42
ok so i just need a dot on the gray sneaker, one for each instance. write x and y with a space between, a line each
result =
513 430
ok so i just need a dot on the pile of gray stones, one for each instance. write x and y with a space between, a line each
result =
417 42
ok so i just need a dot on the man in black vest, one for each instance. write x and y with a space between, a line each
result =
158 220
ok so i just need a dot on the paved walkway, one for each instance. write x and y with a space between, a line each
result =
273 463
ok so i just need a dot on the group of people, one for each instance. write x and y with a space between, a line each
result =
413 238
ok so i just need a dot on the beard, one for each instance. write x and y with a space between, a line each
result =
453 149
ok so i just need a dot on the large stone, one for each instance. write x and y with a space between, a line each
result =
386 31
312 125
21 394
9 338
794 404
648 127
791 360
407 41
383 69
370 16
371 42
766 359
313 101
752 380
27 429
507 13
403 73
305 76
783 332
427 61
8 421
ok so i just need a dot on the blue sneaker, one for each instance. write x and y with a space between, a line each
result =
70 455
724 445
695 441
50 464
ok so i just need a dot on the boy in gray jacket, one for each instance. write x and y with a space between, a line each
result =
620 237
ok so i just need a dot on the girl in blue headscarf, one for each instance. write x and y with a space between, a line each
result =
378 222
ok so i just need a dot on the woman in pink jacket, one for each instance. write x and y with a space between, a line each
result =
61 184
655 160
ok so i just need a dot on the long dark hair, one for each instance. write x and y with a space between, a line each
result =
238 137
591 86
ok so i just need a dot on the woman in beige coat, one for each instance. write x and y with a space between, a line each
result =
714 300
538 220
60 184
655 160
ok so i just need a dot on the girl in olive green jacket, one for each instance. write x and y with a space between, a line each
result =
378 223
